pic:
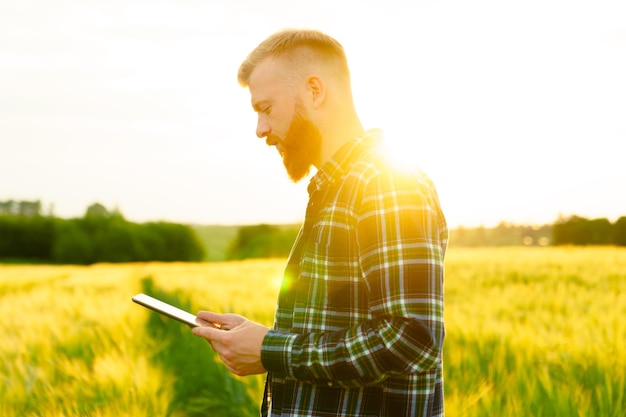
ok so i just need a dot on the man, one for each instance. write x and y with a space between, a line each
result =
359 321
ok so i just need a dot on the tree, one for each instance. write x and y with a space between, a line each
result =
580 231
600 231
97 210
619 232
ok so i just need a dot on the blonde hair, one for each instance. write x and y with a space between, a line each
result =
300 46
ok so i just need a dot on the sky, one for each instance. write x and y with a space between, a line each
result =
515 109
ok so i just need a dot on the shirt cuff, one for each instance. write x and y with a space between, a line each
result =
276 352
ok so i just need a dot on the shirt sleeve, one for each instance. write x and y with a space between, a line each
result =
401 237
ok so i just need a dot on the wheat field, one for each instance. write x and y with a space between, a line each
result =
530 332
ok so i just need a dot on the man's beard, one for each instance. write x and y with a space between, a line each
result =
302 145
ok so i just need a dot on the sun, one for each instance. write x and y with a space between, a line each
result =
404 153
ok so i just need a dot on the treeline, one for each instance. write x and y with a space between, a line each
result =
580 231
505 234
105 236
264 241
572 230
99 236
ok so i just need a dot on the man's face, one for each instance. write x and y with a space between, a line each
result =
282 119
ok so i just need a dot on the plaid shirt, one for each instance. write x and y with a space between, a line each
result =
359 323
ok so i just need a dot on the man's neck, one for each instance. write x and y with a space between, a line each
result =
342 133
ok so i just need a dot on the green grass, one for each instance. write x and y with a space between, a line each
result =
201 386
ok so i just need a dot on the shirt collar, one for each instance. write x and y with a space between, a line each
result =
333 169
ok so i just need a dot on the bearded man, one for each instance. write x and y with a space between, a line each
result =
359 324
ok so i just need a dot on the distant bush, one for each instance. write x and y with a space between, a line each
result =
619 232
577 230
96 239
26 237
171 242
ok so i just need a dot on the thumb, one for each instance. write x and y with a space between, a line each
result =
222 321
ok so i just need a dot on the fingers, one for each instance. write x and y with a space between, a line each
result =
210 317
210 333
213 326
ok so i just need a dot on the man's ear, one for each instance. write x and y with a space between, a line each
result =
316 89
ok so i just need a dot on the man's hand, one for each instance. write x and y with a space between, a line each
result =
236 340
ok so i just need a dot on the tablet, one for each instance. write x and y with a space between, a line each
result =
166 309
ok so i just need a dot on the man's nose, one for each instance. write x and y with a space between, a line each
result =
262 128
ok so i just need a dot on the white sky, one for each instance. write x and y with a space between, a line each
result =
516 109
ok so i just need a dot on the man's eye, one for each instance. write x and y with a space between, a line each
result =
266 110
